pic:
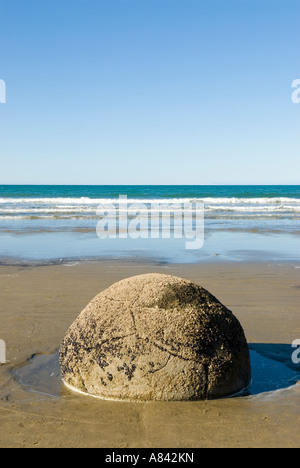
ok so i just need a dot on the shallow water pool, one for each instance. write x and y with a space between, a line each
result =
272 369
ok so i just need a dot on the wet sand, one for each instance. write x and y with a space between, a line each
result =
37 305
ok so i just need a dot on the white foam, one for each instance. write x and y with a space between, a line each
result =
44 208
96 201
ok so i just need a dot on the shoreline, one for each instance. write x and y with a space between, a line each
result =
220 245
74 261
39 303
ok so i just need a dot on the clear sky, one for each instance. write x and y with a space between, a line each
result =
149 91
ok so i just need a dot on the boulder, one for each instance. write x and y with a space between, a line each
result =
155 337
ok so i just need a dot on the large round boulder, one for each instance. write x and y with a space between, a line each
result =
155 337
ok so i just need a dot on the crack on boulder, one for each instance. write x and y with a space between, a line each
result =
170 352
205 366
153 371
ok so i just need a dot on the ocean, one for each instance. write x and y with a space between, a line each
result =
58 223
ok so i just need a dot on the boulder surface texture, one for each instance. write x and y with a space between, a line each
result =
155 337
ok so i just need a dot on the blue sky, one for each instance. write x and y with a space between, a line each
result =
149 91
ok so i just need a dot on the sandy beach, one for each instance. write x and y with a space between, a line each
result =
38 304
